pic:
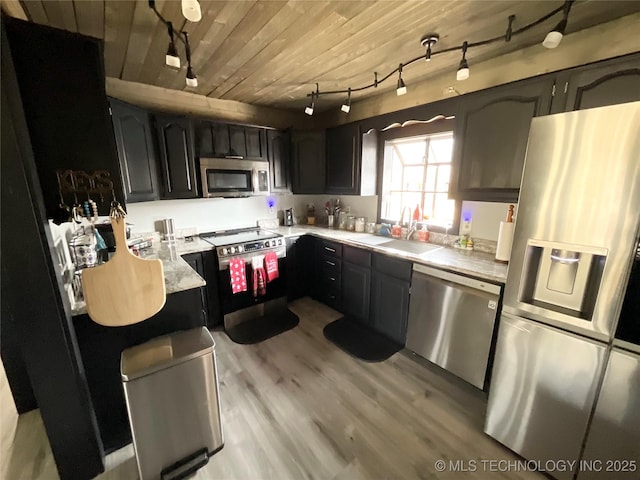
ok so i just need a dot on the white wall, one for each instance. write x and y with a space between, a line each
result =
359 206
485 218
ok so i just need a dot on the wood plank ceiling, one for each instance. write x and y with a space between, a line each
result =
271 52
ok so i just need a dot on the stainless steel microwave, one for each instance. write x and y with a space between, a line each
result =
227 177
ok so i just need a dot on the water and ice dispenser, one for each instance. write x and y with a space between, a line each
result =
561 277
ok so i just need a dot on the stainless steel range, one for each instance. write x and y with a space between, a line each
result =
246 243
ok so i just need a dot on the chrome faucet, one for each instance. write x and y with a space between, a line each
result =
412 225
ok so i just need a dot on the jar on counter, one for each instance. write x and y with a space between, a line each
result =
360 221
351 223
370 227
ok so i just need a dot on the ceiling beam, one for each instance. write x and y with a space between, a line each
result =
607 40
13 8
167 100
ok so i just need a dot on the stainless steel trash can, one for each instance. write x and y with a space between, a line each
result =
171 389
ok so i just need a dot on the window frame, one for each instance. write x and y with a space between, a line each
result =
415 130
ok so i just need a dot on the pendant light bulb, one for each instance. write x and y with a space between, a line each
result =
554 37
463 68
309 108
346 107
401 89
171 59
191 79
191 10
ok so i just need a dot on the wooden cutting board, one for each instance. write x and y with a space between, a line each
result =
126 289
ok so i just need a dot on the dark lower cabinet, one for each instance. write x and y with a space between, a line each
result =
298 254
356 285
328 273
177 158
389 306
211 276
196 262
101 348
136 151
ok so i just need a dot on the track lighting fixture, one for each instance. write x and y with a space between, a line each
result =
429 41
463 68
346 107
172 59
191 79
191 10
402 88
554 37
309 109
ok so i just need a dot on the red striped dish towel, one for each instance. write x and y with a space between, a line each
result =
271 266
238 276
259 276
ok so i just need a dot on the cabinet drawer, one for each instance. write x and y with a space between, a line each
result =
330 266
327 247
357 256
394 267
331 276
331 297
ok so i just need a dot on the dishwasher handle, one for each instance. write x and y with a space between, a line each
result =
458 279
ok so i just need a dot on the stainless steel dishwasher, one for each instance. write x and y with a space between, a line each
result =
451 321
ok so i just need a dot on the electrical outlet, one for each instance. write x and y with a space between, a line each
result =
465 226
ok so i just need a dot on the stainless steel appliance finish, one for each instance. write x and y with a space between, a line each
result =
613 443
580 187
171 389
574 241
233 177
543 386
245 243
451 321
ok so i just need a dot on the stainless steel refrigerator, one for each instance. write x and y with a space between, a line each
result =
575 237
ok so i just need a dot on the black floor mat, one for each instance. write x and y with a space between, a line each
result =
259 329
360 341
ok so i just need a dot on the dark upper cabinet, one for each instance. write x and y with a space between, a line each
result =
606 83
176 152
278 145
61 80
213 139
237 144
308 161
491 133
256 143
136 151
351 160
343 160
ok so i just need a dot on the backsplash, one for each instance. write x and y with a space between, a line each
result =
485 218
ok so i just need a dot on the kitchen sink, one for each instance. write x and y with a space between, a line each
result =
370 239
410 247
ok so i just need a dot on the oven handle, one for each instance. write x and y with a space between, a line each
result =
223 264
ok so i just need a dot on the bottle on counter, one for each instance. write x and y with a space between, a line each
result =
423 233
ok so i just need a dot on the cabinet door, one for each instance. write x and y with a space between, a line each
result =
613 82
356 285
491 136
296 268
238 147
343 160
256 141
389 306
136 152
308 162
195 261
175 140
278 148
210 269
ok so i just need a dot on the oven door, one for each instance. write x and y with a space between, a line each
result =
227 182
232 302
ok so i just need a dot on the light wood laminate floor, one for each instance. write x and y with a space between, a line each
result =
295 407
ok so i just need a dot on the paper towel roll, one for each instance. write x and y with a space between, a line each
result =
505 237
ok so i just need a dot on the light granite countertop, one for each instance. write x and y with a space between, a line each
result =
178 274
467 262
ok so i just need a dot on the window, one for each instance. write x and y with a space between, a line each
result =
416 171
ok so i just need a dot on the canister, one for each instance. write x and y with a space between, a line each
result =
351 223
360 221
